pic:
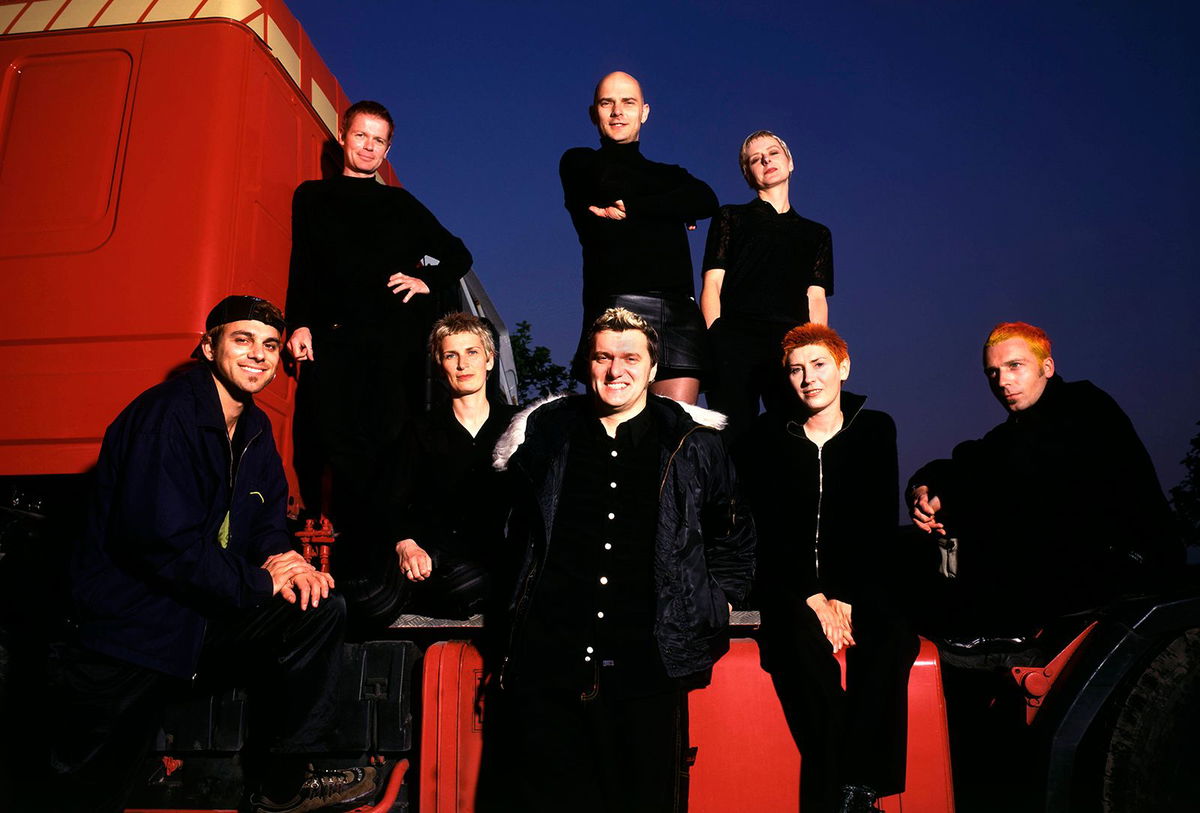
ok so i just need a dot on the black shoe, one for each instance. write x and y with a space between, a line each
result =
325 790
859 799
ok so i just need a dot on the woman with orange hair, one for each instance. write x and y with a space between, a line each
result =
821 475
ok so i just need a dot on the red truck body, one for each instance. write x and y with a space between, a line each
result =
146 170
148 154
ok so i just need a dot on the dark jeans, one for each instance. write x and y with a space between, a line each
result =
551 750
106 711
854 736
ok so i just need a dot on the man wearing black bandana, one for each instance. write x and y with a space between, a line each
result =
186 574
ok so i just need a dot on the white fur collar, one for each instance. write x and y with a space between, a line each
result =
514 436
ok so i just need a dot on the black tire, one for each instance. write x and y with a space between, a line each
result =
1154 753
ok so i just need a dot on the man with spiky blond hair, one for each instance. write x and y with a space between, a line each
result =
624 514
1056 510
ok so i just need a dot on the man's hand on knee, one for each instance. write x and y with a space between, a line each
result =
307 588
284 567
415 563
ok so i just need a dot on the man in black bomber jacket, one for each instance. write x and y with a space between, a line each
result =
634 551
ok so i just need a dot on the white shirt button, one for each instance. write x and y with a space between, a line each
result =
608 545
600 614
612 485
587 658
604 579
590 650
611 515
614 452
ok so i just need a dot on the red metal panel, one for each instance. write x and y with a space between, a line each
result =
201 211
451 727
746 761
95 87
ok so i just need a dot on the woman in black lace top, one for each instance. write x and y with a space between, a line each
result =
766 270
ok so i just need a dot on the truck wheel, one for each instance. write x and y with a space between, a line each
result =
1153 755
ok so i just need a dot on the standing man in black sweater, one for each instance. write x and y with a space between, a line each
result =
632 216
359 306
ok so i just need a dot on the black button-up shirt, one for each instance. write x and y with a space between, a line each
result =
592 615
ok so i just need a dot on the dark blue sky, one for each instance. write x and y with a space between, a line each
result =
976 162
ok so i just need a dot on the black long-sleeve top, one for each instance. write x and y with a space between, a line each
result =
770 260
441 488
348 236
647 252
826 517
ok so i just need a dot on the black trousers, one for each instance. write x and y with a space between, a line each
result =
351 405
555 750
747 365
858 735
106 712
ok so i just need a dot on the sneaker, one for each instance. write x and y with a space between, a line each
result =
325 790
859 799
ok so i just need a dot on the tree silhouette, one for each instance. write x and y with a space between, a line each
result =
539 376
1185 497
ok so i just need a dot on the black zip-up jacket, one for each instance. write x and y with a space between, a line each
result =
151 568
704 543
825 517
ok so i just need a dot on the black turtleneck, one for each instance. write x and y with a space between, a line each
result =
648 251
348 236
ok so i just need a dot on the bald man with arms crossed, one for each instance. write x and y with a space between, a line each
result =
632 216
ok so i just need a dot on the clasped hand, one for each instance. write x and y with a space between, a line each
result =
835 621
293 578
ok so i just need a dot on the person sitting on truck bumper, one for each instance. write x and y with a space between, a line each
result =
821 478
633 549
443 505
1056 510
186 574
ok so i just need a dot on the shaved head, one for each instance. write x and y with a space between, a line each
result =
618 108
621 76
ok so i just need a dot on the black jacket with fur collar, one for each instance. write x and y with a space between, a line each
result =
704 544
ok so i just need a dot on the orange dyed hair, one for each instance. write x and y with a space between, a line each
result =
812 333
1035 337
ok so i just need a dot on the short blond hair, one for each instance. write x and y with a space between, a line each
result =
744 158
454 323
620 320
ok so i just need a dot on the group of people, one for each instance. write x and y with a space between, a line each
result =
607 536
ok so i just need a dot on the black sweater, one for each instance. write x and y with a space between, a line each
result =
648 250
348 236
1059 505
